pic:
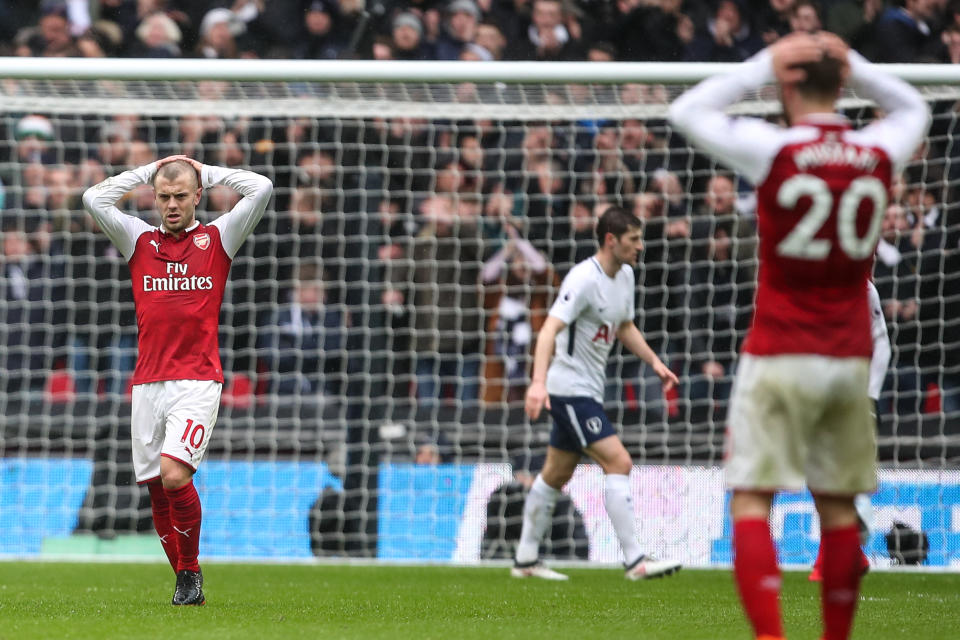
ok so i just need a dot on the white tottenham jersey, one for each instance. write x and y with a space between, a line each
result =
881 343
593 305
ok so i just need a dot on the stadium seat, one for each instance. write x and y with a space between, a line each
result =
60 386
238 392
931 400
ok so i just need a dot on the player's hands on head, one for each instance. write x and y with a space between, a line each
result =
198 166
169 159
536 400
834 46
792 50
799 48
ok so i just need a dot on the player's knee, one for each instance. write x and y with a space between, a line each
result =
836 511
556 477
174 474
620 464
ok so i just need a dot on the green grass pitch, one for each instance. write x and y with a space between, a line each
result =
106 601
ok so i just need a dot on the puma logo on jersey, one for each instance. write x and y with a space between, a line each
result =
156 245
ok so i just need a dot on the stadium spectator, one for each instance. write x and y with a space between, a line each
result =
139 153
408 42
22 329
568 534
322 40
594 307
728 36
56 38
904 32
221 199
661 294
518 306
773 20
823 419
950 53
490 37
436 282
96 42
856 23
547 39
158 36
304 345
460 30
102 343
721 305
382 48
178 371
115 137
433 449
644 32
603 166
721 207
34 134
219 31
805 16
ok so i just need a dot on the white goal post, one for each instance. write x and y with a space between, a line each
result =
439 203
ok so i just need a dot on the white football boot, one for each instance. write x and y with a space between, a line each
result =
646 567
536 570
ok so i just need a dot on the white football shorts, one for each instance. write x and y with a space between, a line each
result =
801 417
173 418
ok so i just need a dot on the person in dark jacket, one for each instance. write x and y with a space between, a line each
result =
304 345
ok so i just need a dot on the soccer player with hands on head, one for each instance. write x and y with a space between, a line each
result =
800 411
179 271
595 307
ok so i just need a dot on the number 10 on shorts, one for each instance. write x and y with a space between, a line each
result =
195 432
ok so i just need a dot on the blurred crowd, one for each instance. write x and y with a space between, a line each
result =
416 259
478 30
412 258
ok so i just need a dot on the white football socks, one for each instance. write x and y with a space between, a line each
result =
619 506
537 518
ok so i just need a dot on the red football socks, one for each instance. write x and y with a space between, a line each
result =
161 521
757 575
842 570
185 522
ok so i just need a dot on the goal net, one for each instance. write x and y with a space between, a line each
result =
377 327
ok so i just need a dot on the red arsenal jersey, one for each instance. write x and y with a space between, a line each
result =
821 194
178 287
818 216
178 283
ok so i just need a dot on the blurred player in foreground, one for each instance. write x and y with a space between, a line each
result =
879 361
800 409
179 271
595 306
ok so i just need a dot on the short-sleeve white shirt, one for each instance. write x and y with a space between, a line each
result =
592 305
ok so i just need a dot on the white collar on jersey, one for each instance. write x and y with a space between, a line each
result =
821 118
195 224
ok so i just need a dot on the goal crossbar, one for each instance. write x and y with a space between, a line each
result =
403 71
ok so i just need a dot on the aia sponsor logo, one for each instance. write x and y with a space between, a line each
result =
202 240
605 333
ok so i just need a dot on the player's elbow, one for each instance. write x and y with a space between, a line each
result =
89 198
265 186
